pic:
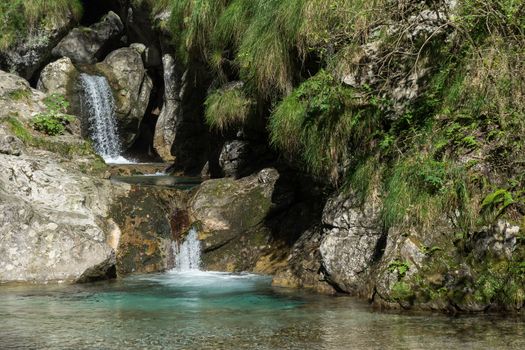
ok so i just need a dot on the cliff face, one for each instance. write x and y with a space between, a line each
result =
396 127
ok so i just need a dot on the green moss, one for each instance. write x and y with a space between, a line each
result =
401 291
20 94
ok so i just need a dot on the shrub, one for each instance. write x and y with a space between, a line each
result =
54 120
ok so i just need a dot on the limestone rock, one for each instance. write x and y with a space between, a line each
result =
351 241
50 220
10 144
85 45
57 77
127 76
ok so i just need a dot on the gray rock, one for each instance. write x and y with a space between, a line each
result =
85 45
127 76
50 230
10 144
165 129
18 99
234 157
351 241
57 77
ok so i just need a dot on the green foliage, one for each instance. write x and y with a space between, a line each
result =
18 17
401 267
54 120
319 122
227 108
496 202
401 291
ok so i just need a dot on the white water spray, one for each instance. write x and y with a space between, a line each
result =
98 107
188 254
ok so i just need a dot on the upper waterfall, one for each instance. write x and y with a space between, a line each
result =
188 254
98 109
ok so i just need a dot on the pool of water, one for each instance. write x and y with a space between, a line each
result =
206 310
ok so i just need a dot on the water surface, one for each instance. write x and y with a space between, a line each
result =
203 310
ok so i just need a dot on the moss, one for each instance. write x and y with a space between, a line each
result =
20 94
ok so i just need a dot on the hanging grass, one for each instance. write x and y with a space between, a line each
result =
227 108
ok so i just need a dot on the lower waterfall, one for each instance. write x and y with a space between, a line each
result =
188 254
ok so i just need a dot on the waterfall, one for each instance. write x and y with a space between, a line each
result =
188 254
98 110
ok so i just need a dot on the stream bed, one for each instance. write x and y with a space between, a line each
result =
212 310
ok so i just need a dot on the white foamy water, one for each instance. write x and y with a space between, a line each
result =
188 254
98 107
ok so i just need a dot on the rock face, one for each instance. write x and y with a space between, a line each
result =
30 54
86 45
165 130
131 85
50 230
234 157
351 241
229 215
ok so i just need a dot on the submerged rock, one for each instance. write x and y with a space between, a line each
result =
85 45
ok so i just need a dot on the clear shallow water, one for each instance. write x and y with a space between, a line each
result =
201 310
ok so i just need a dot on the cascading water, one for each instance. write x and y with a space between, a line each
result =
98 107
188 254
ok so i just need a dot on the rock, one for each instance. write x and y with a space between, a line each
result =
303 268
50 230
10 144
229 214
144 217
165 129
86 45
58 77
132 87
33 51
234 157
18 99
351 242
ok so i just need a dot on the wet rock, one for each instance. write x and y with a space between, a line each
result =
86 45
131 85
351 242
230 214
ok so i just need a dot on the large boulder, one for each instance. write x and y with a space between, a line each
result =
33 51
229 215
132 86
351 242
86 45
165 129
50 230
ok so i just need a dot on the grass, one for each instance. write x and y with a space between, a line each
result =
227 108
19 17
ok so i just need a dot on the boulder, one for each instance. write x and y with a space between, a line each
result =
234 157
230 215
50 230
58 77
131 85
165 129
10 144
351 241
86 45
